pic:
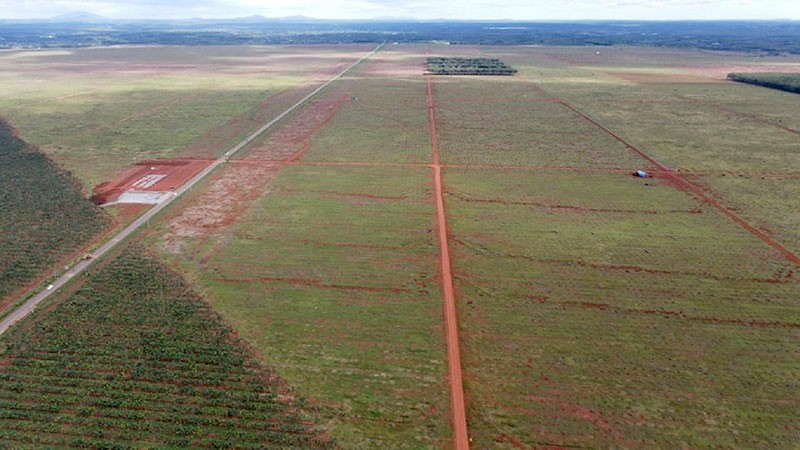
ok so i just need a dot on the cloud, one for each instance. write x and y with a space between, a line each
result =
362 9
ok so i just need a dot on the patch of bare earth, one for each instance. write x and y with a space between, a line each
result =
227 197
235 187
224 135
290 142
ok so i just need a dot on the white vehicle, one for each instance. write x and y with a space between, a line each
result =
49 287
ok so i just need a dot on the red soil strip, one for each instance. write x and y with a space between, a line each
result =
460 436
684 316
315 283
350 245
743 115
568 207
175 173
343 194
784 279
501 100
631 268
506 438
330 163
686 186
540 168
290 142
762 175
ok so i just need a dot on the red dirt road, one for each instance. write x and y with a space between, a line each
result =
460 436
152 175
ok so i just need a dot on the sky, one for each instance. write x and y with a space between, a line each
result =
417 9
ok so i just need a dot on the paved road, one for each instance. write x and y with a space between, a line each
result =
78 268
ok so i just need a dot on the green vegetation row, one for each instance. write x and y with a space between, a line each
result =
469 66
789 82
43 214
135 359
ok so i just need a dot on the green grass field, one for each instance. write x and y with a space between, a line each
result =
331 276
364 129
597 311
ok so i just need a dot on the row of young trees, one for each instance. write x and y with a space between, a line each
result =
43 214
789 82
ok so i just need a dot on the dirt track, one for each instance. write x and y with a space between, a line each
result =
460 436
683 184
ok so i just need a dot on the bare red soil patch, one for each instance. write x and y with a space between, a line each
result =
226 134
290 142
153 175
226 197
315 283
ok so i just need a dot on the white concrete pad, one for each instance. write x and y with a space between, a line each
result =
147 198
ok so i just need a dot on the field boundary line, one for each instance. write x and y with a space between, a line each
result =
688 186
31 304
460 435
740 114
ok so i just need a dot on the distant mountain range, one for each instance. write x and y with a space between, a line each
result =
86 17
80 17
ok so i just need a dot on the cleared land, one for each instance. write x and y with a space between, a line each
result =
599 310
595 309
134 358
44 219
150 176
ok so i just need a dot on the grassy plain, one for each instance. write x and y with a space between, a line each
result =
135 359
98 110
596 309
331 276
509 121
381 120
599 310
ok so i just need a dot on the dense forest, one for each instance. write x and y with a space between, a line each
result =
789 82
766 37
